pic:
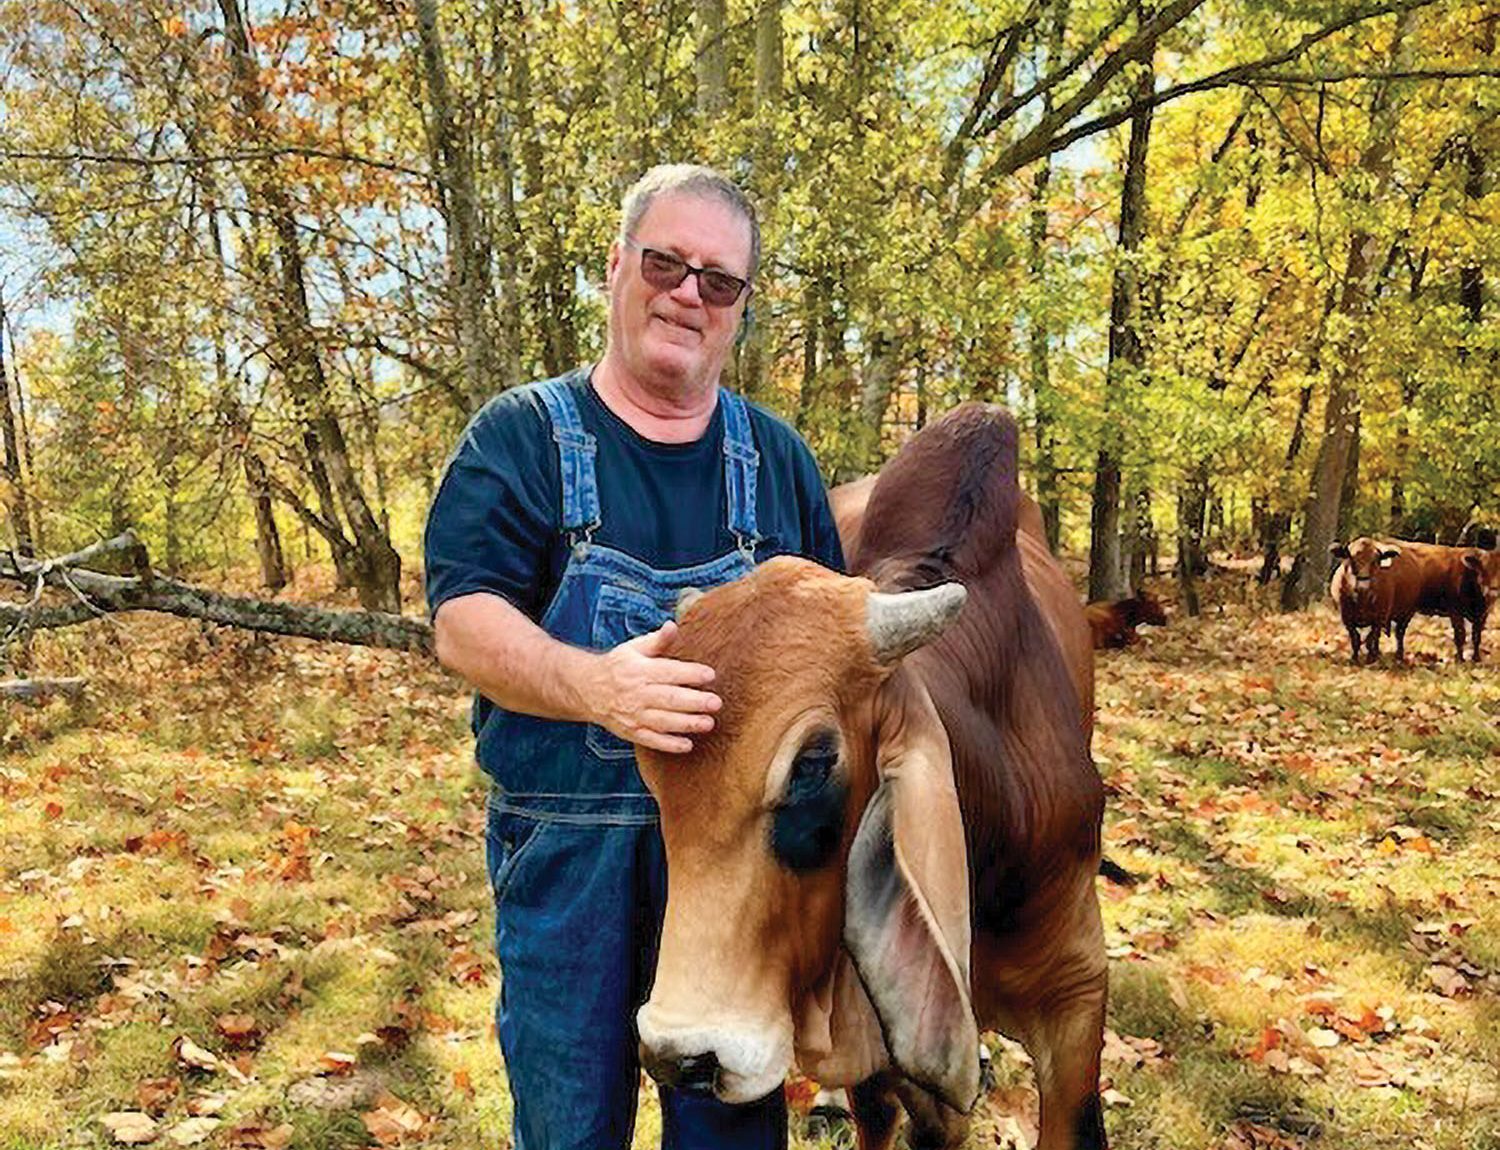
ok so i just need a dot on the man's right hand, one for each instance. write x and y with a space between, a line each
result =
650 700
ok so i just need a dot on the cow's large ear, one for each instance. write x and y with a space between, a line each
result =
1387 555
1473 561
1339 551
906 922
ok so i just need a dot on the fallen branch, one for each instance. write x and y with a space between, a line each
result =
98 593
35 690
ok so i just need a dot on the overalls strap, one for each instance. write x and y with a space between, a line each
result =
741 463
575 454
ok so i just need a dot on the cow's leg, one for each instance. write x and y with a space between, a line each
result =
1065 1040
1478 624
1353 643
1458 636
1401 626
876 1111
1372 645
934 1124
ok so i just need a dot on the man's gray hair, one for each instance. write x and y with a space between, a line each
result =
692 180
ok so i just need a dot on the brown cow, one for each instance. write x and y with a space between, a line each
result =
1113 624
1055 595
1384 583
889 840
1365 586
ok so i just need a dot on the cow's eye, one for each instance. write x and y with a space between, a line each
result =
808 822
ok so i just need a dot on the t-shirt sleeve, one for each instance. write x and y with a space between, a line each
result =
494 517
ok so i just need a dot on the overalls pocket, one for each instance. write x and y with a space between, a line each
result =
620 614
509 837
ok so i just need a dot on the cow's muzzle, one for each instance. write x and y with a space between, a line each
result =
696 1073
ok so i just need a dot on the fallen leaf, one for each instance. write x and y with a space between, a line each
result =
393 1121
191 1131
337 1063
130 1127
156 1094
190 1054
1449 982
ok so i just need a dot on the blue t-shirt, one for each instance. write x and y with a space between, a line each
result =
495 523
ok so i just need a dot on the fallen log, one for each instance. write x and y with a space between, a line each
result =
97 593
35 690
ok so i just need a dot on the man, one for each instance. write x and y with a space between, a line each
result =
570 518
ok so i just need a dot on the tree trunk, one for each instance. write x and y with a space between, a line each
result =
1321 511
20 508
713 84
469 245
768 53
1192 501
1127 357
1043 401
811 321
372 561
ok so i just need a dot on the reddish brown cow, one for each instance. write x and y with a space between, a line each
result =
1113 624
1382 584
1365 585
889 840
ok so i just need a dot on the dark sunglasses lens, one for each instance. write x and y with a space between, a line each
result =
719 288
661 270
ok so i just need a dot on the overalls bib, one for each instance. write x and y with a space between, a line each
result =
575 854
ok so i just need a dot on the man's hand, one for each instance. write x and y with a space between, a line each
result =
651 701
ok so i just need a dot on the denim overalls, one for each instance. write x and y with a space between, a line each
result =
575 855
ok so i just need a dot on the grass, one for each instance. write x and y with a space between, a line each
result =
233 828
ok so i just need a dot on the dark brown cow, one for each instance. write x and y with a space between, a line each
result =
1382 584
890 838
1364 585
1113 624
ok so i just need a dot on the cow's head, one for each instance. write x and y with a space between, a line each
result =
1364 557
1484 568
818 823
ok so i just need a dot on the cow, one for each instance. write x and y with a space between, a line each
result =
889 839
849 501
1365 586
1382 584
1113 624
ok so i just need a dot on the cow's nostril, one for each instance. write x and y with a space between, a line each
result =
698 1072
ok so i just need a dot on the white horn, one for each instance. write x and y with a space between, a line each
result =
901 622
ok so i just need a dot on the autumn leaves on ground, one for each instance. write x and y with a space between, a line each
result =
243 900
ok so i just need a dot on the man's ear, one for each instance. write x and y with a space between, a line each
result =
906 917
611 265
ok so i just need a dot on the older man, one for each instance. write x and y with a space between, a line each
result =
572 514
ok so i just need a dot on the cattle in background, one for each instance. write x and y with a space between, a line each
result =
1365 586
889 840
1460 583
1383 584
1113 624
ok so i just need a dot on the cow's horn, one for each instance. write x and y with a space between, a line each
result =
903 621
685 599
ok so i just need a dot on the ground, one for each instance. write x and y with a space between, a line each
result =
243 901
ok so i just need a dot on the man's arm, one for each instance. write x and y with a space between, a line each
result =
630 690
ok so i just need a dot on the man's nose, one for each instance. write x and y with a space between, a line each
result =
697 1073
687 291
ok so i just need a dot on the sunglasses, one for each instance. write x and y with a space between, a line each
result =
664 271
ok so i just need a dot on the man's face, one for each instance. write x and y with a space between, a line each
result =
672 339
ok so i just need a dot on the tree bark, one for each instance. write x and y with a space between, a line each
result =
1192 502
713 82
469 245
1127 356
373 562
147 591
1321 510
768 53
20 508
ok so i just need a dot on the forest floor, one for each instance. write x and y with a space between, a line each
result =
243 900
